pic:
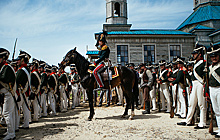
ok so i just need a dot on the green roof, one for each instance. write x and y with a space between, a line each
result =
148 32
205 13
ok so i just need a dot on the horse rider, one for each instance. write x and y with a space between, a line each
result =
104 52
7 90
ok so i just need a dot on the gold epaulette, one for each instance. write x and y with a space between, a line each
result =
104 47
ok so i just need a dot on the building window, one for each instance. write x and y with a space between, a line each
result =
149 53
122 54
175 50
117 9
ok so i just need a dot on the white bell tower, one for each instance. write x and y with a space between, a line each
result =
116 11
116 16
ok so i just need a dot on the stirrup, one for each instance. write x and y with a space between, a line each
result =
100 89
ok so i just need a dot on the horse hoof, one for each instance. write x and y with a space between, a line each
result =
89 119
123 116
130 118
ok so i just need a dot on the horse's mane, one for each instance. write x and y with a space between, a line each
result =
82 64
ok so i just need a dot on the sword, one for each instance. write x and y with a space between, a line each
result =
38 101
24 98
13 95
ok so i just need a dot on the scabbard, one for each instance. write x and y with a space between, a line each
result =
25 101
38 101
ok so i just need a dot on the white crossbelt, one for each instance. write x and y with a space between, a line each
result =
213 73
195 73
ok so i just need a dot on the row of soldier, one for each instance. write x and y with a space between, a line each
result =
34 88
188 87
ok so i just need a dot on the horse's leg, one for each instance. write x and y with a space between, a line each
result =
90 97
132 109
127 106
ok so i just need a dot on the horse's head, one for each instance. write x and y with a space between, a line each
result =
69 58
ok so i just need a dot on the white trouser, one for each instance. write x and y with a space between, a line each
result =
175 95
26 111
63 99
182 102
43 101
52 102
141 98
197 97
120 94
153 98
215 98
84 94
75 97
36 108
164 91
9 109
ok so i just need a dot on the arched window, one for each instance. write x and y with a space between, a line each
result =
117 9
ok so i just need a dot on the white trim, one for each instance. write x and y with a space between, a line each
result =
155 53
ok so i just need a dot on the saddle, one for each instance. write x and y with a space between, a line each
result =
113 72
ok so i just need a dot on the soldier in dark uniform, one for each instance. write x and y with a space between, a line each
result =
214 84
43 89
7 89
63 81
180 80
35 88
52 83
103 56
163 79
171 78
197 95
74 81
23 87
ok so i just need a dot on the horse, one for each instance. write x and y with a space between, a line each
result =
126 78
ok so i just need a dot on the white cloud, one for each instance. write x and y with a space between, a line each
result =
48 29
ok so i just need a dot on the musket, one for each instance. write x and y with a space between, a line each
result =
206 81
14 49
158 92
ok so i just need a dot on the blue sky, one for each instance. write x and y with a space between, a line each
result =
48 29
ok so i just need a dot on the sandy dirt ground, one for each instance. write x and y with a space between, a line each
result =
108 124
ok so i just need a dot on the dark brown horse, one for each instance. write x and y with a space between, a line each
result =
126 78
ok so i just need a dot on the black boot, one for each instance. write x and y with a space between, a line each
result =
100 99
147 108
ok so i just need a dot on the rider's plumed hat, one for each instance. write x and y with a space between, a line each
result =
102 37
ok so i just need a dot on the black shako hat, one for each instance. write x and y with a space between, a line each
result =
214 50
